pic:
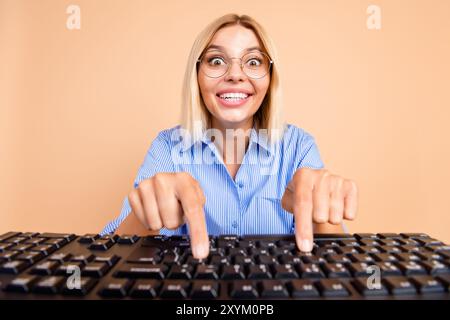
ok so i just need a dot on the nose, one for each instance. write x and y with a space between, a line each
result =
235 72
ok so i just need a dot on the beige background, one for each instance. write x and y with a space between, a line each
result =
78 109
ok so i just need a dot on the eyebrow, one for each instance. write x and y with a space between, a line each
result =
214 46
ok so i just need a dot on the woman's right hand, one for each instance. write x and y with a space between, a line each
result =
169 200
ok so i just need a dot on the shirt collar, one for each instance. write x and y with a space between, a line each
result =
258 137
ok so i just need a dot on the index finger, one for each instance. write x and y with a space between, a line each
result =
303 208
193 211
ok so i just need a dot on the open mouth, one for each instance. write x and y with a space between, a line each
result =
233 99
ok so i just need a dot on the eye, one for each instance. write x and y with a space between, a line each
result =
216 61
254 62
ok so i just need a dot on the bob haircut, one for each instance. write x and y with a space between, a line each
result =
194 112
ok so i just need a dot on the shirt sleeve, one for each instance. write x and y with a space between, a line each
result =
158 159
308 154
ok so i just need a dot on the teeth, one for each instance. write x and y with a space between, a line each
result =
234 95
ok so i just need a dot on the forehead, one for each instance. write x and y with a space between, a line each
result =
235 40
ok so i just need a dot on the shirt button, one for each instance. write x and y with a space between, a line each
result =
234 224
240 185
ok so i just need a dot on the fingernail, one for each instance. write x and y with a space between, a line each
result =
306 245
201 251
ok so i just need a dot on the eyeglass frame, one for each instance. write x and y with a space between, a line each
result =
241 64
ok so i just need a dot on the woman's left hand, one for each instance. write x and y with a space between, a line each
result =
316 195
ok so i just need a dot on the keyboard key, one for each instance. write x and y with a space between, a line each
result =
360 257
391 242
101 245
360 236
348 250
127 239
391 249
45 249
389 269
369 242
407 257
8 255
45 268
414 235
156 271
382 257
49 285
22 283
430 256
21 247
61 257
242 260
351 243
310 271
88 238
335 270
369 289
360 269
83 258
57 242
428 242
309 258
14 267
427 284
259 271
68 268
5 246
15 240
445 280
183 271
302 289
399 285
35 241
206 272
237 251
68 236
389 235
95 269
243 290
175 289
205 290
149 255
332 288
219 260
230 272
111 260
435 267
116 288
145 289
284 271
411 268
79 289
8 235
289 259
273 289
266 260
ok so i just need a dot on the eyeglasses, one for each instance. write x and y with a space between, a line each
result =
215 63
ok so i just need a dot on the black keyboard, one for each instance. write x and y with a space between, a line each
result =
342 266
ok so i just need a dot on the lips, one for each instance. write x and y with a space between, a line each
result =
235 90
231 102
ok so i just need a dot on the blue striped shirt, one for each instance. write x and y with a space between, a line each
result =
248 204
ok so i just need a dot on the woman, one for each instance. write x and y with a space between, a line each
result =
233 167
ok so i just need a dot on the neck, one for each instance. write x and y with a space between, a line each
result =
235 143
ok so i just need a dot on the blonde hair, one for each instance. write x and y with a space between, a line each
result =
269 115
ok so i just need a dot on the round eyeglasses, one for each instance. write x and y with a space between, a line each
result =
215 63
